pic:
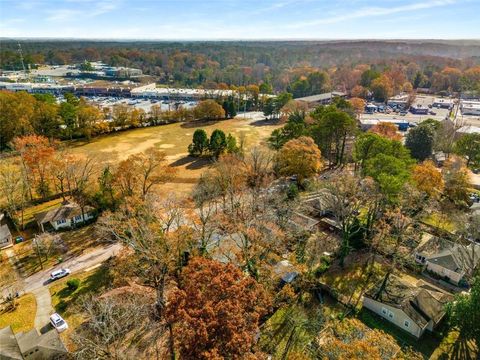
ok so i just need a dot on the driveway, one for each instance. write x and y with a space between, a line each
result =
76 264
38 283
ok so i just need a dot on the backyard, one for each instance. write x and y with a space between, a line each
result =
351 281
22 318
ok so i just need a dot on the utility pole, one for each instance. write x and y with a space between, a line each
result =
21 59
38 252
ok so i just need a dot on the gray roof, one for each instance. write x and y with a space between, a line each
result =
49 340
9 349
455 257
321 97
285 270
4 231
422 302
67 211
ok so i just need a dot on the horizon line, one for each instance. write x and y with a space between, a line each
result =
39 38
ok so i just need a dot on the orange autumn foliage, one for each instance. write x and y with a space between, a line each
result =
428 179
387 130
216 311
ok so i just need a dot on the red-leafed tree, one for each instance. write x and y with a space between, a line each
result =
215 312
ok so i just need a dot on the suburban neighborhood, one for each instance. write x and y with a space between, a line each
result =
239 196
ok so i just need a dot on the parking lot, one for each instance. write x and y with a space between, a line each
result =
425 101
144 104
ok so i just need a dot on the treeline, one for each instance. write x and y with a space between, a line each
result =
379 153
278 65
44 169
40 114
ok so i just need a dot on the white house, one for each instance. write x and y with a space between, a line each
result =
446 259
412 307
66 216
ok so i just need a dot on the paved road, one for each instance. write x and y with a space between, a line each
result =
95 257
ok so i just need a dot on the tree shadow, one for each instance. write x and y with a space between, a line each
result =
266 122
191 163
462 349
199 123
100 279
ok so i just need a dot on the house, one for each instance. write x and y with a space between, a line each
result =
5 236
285 271
412 307
447 259
302 222
322 99
30 345
66 216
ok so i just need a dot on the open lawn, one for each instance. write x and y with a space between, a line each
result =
22 318
66 301
442 222
351 281
174 140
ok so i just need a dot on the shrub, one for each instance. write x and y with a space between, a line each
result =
73 284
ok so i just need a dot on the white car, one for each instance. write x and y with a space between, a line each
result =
58 323
58 274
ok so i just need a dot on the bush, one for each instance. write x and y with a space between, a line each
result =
73 284
61 306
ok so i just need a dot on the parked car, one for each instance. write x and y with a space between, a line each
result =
58 323
403 113
19 239
432 113
58 274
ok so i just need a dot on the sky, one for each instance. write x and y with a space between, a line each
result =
241 19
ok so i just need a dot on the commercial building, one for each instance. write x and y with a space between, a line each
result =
322 99
470 108
366 124
152 91
443 103
399 102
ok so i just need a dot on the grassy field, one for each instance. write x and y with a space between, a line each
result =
22 318
174 140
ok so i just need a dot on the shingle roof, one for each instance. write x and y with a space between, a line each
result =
9 349
422 302
49 340
4 231
67 211
455 257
